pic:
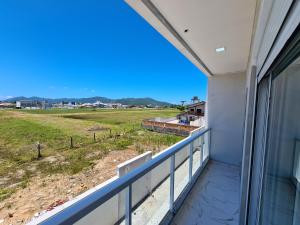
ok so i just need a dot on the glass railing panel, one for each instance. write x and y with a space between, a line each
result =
151 196
197 155
181 171
106 214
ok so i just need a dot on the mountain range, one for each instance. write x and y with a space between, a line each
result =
124 101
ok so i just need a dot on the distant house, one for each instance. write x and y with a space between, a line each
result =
31 104
193 115
87 105
65 105
116 105
71 105
4 105
99 104
185 118
197 108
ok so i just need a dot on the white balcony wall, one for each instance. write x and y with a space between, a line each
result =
225 115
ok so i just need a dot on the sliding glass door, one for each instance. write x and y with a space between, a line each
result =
281 181
274 197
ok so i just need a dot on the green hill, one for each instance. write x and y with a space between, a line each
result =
124 101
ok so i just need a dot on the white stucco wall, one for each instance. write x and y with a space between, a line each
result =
225 115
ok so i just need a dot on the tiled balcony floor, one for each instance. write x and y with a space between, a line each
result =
281 200
214 200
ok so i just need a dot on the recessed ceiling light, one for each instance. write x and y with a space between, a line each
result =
221 49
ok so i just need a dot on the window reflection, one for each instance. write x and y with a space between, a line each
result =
281 189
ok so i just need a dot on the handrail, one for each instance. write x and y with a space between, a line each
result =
81 208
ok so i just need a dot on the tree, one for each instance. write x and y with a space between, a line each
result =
182 103
181 108
195 99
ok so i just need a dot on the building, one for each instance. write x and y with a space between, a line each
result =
99 104
186 118
196 109
65 105
87 105
31 104
193 115
7 105
169 126
243 167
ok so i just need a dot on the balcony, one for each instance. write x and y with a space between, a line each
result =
180 185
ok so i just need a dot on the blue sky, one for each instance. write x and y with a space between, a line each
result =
80 48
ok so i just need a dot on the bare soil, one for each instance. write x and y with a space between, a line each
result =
44 193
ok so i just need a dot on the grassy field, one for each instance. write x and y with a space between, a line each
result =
53 129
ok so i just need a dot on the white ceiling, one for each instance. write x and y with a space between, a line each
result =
211 24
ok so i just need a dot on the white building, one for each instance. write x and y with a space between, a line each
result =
31 104
99 104
244 167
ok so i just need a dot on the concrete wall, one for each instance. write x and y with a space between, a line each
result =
133 163
199 122
168 128
225 115
141 188
165 120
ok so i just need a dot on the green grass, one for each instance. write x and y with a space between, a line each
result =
101 110
15 132
5 193
59 111
21 130
3 112
121 117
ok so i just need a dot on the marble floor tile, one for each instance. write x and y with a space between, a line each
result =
214 200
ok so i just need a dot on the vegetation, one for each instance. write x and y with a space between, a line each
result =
195 99
5 193
20 131
181 108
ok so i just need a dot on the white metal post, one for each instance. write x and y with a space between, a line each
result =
201 150
191 161
128 205
203 147
172 180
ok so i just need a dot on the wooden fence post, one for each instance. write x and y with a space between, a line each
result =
71 142
38 147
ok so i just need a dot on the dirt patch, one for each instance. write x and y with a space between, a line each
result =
53 159
44 193
4 180
97 128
